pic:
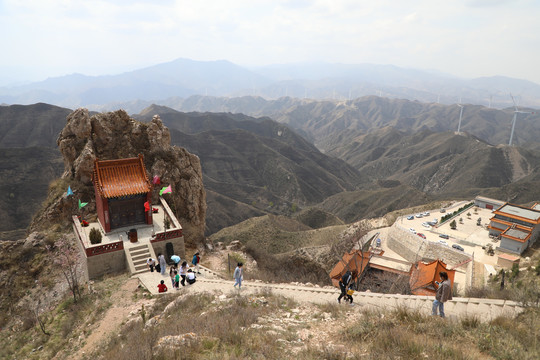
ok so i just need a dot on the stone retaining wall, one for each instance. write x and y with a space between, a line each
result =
413 248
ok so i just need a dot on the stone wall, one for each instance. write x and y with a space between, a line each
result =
445 253
413 248
99 265
178 247
111 262
405 244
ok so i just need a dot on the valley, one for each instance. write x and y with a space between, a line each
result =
272 199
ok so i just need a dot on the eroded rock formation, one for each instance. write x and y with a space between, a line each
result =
115 135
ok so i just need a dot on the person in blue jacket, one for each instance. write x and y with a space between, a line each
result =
195 261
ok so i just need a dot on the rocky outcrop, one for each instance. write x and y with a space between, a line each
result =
115 135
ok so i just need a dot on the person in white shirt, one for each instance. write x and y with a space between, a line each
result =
190 277
151 263
183 272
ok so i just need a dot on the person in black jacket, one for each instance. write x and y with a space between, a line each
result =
344 283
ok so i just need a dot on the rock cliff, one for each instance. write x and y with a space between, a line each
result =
115 135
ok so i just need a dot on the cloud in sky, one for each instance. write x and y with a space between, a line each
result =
42 38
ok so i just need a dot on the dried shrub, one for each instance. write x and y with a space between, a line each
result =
95 236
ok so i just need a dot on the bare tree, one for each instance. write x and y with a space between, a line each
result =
37 310
67 257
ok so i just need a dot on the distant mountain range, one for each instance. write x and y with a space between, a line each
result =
137 89
379 155
324 122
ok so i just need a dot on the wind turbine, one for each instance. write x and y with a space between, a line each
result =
460 116
516 111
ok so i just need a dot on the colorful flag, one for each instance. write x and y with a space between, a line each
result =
156 180
82 204
165 190
147 206
69 192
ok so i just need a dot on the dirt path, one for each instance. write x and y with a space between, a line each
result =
122 306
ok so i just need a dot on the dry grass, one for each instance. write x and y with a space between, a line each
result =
64 323
207 327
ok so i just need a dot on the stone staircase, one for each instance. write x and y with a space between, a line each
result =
136 257
481 309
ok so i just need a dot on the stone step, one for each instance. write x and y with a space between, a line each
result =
138 247
139 263
144 256
139 251
140 267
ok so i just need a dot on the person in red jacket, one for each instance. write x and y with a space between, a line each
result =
444 293
162 287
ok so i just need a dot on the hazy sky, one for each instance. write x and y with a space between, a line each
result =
467 38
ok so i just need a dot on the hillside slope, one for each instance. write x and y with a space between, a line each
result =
256 166
29 161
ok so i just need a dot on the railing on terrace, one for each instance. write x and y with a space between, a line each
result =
175 232
166 235
94 250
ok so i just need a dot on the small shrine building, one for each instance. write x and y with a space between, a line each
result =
121 188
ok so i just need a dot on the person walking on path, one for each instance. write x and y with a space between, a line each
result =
162 287
238 275
151 263
172 269
195 261
183 272
344 284
444 293
162 263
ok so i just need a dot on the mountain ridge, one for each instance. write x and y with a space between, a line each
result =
185 77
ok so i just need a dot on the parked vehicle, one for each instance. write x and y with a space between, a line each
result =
421 235
442 210
426 225
444 236
457 247
431 223
443 242
426 213
410 217
412 230
419 215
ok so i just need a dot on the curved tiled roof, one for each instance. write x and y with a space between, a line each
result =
122 177
425 275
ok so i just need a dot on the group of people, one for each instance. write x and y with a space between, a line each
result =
179 274
443 294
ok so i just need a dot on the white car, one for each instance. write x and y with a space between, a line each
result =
426 225
419 215
426 213
443 242
412 230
